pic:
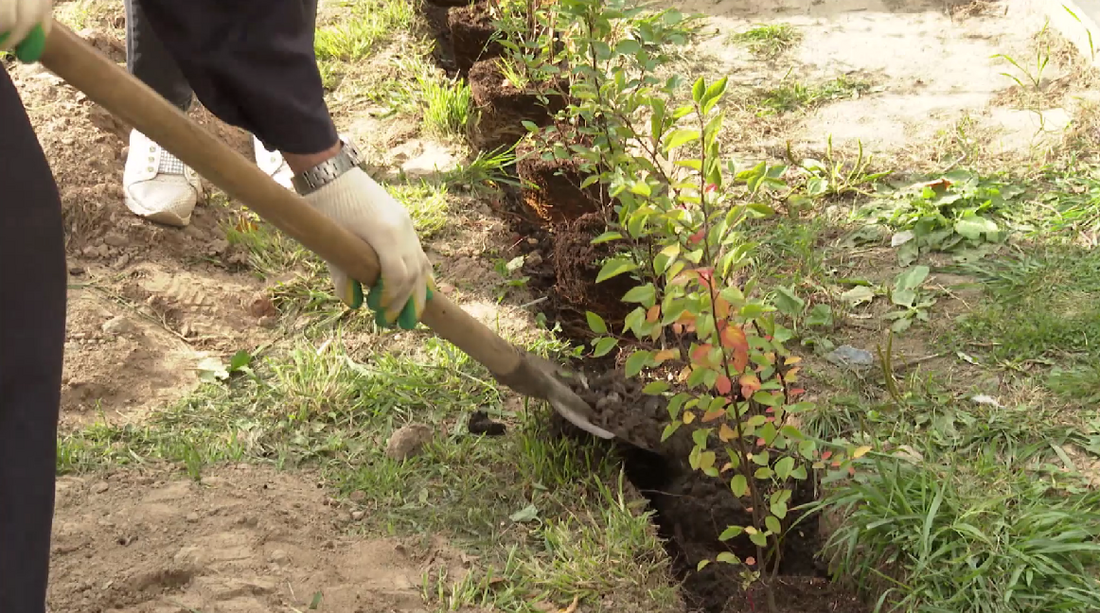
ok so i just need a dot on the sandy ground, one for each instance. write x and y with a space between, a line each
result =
148 303
244 539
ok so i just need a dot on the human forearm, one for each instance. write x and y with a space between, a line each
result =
251 63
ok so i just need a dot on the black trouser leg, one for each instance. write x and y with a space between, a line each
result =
150 62
251 63
32 337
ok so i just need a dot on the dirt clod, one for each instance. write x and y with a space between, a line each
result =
407 441
481 424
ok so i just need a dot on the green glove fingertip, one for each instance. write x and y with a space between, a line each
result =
30 48
356 294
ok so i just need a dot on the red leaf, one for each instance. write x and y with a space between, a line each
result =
733 337
749 384
713 415
695 238
826 455
796 391
653 313
723 385
761 442
701 354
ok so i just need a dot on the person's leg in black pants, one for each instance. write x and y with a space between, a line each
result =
158 185
32 341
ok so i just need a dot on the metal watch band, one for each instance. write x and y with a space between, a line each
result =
328 171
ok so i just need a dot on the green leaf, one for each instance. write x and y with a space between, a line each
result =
641 188
702 564
595 322
606 236
635 362
759 539
788 302
973 226
730 532
644 294
799 473
604 345
727 558
615 267
679 138
911 278
772 523
654 388
783 467
739 486
698 90
779 509
524 515
239 360
628 47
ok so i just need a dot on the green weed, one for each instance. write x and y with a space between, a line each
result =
359 35
933 540
768 41
788 97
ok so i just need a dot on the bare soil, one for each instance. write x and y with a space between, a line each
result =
243 538
471 30
503 107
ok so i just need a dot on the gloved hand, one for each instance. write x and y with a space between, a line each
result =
17 20
362 206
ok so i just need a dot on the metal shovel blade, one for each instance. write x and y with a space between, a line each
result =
539 378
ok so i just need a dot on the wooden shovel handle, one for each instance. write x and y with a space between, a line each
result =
104 82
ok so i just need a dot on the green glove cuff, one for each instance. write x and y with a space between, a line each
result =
406 320
30 49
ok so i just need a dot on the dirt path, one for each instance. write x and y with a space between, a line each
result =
904 77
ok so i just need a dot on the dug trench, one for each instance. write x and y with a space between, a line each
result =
554 222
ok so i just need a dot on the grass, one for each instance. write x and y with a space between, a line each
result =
768 41
359 33
795 96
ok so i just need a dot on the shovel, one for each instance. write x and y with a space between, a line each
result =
71 58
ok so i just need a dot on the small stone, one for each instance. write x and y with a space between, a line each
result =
534 258
261 305
846 355
118 325
100 487
279 556
192 517
218 245
115 240
357 515
268 321
609 400
407 441
76 270
357 496
532 241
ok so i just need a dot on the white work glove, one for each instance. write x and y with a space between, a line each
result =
362 206
17 19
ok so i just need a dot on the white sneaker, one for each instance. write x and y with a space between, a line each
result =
273 164
158 186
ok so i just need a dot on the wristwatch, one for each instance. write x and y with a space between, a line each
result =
313 179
